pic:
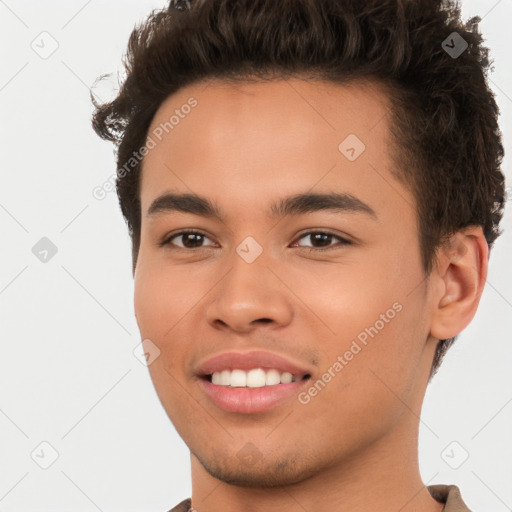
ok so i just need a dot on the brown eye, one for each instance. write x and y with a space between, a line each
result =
190 239
322 240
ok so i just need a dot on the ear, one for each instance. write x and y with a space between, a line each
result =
458 280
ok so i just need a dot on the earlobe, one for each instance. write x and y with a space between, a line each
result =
460 273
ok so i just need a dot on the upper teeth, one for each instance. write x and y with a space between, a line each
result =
255 378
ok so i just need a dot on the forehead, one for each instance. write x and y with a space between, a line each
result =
262 139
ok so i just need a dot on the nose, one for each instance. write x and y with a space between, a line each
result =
250 294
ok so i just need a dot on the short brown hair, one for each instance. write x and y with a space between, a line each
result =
444 116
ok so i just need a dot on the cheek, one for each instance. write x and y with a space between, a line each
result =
362 387
160 300
159 306
147 307
372 331
348 299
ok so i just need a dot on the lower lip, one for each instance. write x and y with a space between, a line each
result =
250 400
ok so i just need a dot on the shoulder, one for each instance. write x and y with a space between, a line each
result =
184 506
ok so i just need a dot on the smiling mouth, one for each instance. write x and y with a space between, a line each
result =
252 390
254 378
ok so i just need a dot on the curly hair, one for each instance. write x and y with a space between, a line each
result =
444 118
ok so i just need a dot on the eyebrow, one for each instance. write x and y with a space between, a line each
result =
293 205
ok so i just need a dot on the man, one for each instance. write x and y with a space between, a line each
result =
312 189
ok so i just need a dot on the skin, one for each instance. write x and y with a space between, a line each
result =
354 445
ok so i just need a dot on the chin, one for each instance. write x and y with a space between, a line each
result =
260 474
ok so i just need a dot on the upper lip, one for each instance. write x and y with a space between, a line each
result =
250 360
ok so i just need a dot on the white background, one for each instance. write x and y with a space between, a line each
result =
68 375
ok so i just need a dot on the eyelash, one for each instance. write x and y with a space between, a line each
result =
167 240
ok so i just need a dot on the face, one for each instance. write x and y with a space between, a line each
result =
332 284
